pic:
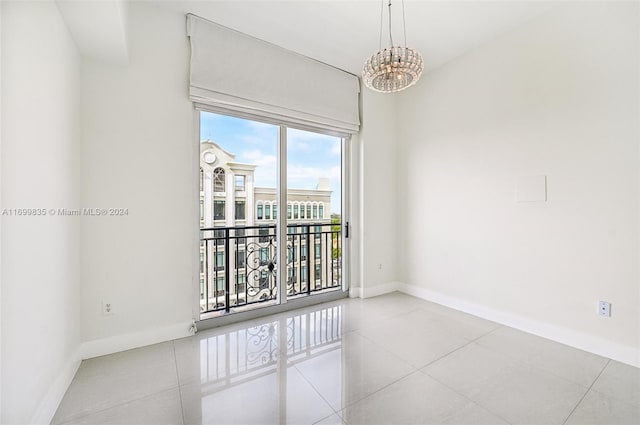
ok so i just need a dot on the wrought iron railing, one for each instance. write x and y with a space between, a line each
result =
238 264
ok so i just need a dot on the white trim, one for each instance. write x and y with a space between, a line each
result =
115 344
355 292
49 404
381 289
573 338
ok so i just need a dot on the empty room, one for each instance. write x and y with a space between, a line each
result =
319 212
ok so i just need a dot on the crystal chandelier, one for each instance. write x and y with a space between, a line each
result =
394 68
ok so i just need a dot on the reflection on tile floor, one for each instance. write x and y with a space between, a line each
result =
392 359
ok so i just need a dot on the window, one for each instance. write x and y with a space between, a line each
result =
264 234
239 180
218 210
241 240
219 236
264 280
243 224
240 215
291 255
219 261
264 256
241 282
218 180
220 285
240 259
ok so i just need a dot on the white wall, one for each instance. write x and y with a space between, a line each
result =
138 153
1 210
40 169
377 192
557 97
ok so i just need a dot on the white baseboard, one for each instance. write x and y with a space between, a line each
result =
580 340
48 406
381 289
114 344
355 292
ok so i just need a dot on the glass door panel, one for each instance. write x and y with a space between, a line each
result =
238 211
314 213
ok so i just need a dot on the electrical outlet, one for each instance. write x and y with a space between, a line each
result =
380 266
604 308
107 308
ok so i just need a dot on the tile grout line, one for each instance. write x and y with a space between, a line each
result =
317 392
457 349
175 363
72 418
586 392
466 398
538 368
455 390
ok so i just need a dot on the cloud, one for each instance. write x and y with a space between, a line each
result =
265 174
301 177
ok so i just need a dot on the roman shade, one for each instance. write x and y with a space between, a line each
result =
237 72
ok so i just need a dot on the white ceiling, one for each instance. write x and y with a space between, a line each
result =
345 33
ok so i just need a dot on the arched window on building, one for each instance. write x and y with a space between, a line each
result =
218 180
259 214
315 211
201 179
308 211
321 211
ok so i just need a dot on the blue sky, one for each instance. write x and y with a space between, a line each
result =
310 155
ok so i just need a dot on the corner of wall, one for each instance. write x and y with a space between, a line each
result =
49 404
129 341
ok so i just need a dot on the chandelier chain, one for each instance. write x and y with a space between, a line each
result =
381 19
390 35
404 25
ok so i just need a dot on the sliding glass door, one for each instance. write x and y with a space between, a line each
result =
261 184
314 212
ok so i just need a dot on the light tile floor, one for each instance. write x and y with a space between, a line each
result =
392 359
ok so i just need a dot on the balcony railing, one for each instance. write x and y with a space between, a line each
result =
238 264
